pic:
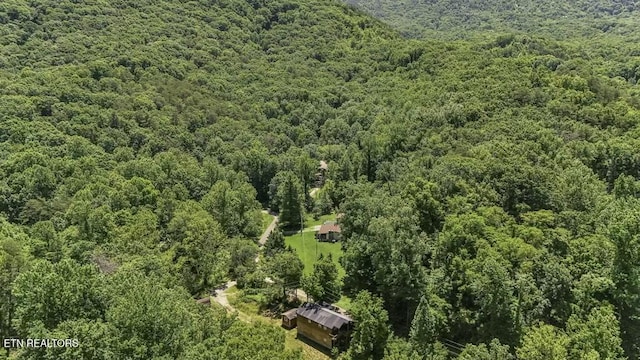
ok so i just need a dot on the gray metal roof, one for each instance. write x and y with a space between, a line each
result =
323 316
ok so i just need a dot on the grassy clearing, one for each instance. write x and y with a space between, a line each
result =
308 352
308 249
309 221
344 302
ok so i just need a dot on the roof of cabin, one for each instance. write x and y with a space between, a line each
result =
323 316
329 228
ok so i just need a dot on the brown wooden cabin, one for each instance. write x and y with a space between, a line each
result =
329 231
323 326
289 319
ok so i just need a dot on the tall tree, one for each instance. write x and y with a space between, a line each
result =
275 242
323 283
48 294
372 330
198 246
234 207
494 351
291 198
624 231
597 336
286 269
14 259
429 322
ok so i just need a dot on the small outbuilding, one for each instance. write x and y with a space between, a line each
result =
289 319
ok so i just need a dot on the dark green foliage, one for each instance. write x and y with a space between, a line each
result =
323 284
291 201
372 331
275 242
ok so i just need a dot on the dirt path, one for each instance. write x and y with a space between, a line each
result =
270 228
221 296
267 232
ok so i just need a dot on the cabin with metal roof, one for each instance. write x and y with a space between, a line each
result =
323 326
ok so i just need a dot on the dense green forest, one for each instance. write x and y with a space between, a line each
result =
490 189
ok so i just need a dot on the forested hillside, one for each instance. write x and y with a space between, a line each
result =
489 189
560 20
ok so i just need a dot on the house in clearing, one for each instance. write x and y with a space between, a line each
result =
323 326
329 231
289 319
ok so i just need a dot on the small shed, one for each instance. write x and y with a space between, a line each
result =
289 319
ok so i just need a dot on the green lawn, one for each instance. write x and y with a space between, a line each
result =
308 249
344 302
309 221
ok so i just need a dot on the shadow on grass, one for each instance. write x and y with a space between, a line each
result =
314 345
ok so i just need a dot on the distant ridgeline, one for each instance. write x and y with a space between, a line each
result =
452 19
488 189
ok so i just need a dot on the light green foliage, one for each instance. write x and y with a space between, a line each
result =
429 322
483 352
285 268
399 349
14 260
598 334
48 294
544 342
